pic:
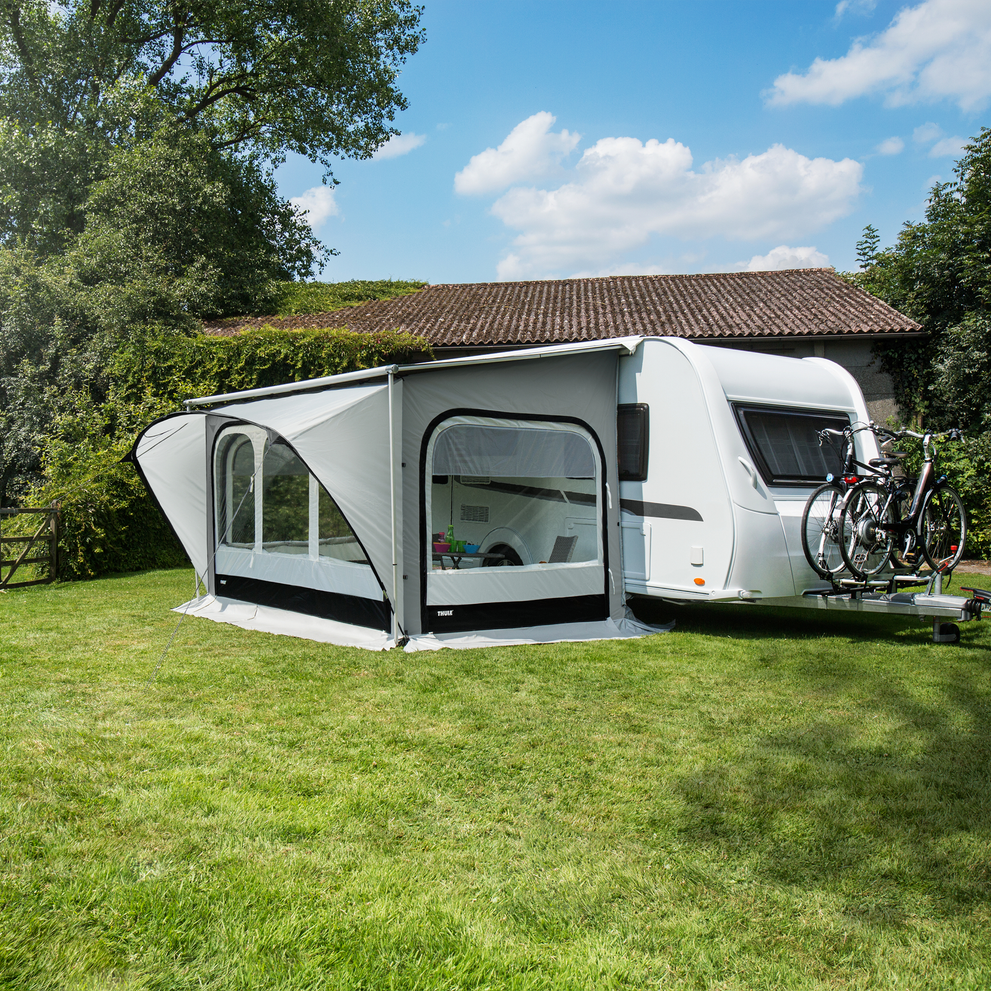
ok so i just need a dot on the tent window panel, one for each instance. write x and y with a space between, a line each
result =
336 538
786 445
236 503
527 495
285 501
469 449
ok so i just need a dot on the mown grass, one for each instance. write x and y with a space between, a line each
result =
755 800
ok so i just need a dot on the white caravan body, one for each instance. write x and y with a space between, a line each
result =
732 459
577 475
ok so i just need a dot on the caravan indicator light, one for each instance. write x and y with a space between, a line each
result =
699 581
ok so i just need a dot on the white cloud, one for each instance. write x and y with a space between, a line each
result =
399 144
319 205
939 49
529 152
948 148
783 257
854 7
927 132
891 146
623 192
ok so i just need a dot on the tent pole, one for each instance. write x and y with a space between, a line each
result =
392 507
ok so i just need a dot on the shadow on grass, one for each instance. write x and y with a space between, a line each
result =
878 791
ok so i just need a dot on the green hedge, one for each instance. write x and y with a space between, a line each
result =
178 368
293 298
967 466
108 521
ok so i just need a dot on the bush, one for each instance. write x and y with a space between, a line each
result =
179 368
967 466
107 520
290 299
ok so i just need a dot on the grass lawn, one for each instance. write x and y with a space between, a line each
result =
756 800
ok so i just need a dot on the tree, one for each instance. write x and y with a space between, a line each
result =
137 142
178 229
270 76
939 273
262 78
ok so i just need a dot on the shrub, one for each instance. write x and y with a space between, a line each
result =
967 466
107 520
179 368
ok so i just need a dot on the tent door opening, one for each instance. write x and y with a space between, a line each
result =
513 530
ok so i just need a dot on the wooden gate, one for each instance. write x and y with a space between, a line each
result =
41 547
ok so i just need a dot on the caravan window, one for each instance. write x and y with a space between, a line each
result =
525 493
632 421
785 445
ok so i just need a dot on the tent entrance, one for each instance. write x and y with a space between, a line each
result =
523 502
280 538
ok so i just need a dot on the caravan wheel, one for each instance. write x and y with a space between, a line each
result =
509 557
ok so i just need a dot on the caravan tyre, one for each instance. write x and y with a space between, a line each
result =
509 557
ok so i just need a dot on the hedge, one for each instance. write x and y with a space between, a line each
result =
108 522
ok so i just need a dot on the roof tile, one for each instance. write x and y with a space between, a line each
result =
795 303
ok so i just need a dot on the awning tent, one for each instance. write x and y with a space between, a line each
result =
324 509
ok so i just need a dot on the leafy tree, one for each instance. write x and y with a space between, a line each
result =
939 273
317 78
178 229
137 139
867 247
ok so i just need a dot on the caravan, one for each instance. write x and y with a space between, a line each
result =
519 497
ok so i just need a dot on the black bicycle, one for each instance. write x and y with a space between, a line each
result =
904 521
821 517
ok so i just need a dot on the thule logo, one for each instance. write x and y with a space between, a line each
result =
445 612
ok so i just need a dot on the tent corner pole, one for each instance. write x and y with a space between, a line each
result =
392 507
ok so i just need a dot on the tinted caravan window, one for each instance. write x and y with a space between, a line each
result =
632 421
785 445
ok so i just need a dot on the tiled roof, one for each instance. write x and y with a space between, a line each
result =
799 303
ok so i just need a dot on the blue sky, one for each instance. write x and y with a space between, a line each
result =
560 138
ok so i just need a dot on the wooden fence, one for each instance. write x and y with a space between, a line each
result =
41 547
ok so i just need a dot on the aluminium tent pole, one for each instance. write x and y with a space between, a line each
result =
392 508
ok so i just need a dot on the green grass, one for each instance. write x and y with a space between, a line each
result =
294 298
755 800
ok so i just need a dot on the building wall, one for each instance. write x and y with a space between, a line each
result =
854 355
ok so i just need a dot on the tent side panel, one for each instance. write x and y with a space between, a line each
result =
579 387
171 457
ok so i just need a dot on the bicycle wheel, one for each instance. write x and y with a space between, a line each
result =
943 524
865 536
820 530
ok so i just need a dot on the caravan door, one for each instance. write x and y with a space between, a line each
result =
512 526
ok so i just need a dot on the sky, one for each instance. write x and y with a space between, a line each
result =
562 138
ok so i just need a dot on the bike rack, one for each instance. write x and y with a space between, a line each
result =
885 596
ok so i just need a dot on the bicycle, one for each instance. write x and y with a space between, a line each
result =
820 519
875 528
